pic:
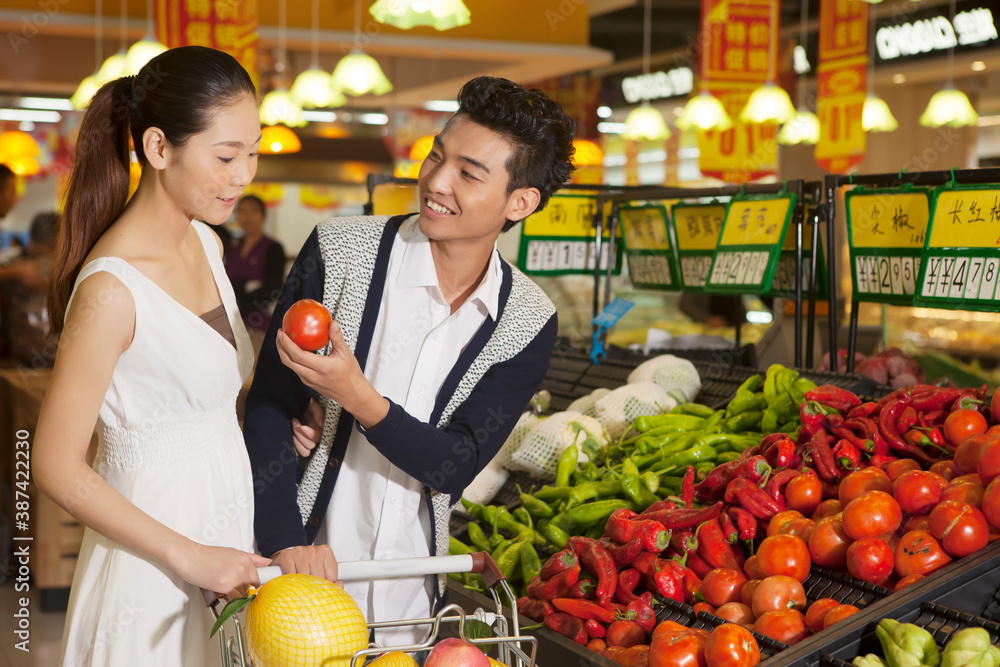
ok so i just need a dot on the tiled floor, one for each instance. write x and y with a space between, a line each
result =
45 628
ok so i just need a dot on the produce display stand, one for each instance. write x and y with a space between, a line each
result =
947 269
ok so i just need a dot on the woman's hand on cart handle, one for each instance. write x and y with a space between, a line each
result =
220 569
317 560
307 433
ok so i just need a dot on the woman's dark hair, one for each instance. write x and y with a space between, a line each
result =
538 129
6 174
179 92
253 199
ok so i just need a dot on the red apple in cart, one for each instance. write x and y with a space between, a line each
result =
454 652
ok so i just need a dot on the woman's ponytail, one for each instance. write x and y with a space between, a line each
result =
97 190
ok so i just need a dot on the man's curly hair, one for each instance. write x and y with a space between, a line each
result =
539 131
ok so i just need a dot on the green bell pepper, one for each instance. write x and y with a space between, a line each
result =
907 645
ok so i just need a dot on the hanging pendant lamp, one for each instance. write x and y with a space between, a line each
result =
278 107
645 122
313 87
406 14
769 102
875 116
277 139
949 106
803 127
358 73
704 111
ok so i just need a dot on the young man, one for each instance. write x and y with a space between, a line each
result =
437 347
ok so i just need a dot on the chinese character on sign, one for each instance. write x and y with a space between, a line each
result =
226 35
744 219
840 34
706 225
874 215
198 33
736 59
758 33
692 225
976 212
856 31
955 212
762 215
198 9
758 60
995 210
900 219
736 33
227 10
771 229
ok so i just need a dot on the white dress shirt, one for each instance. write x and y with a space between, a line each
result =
377 511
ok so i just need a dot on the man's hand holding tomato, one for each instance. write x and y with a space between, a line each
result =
338 376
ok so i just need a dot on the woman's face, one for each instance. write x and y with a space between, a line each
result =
207 176
250 218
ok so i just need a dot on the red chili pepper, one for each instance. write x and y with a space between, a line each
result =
644 615
620 527
775 486
933 419
584 610
558 586
594 629
887 425
752 498
882 460
928 398
624 554
688 517
599 563
667 584
729 531
970 399
834 397
713 487
684 542
627 581
661 505
746 522
654 536
698 565
879 446
845 433
534 609
821 455
754 468
863 410
687 487
833 421
847 455
568 626
688 578
584 589
559 562
812 416
712 546
906 420
937 438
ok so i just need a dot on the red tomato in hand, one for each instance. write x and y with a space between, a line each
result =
722 585
961 528
916 491
962 424
967 454
817 610
784 554
871 514
828 544
870 559
785 626
894 469
871 478
804 494
730 645
778 593
918 552
307 323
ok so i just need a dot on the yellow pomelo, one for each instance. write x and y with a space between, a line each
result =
496 663
299 619
394 659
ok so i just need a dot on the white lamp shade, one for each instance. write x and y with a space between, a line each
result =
278 107
876 116
359 74
768 103
406 14
141 53
645 122
802 128
313 88
84 92
704 111
113 67
949 107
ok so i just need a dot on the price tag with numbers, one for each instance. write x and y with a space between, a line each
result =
697 228
649 247
749 247
962 255
784 281
886 231
559 239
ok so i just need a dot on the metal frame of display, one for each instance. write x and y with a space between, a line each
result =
796 186
833 182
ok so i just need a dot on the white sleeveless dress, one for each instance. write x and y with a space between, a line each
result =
170 443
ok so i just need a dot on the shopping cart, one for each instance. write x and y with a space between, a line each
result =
514 650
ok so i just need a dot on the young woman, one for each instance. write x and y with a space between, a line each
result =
154 351
255 264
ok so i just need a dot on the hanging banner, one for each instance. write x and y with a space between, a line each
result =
841 84
226 25
738 39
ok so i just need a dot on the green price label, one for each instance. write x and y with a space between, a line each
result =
560 239
648 247
697 228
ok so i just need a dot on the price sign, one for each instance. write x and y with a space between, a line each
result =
962 257
697 227
750 244
784 281
559 239
886 232
648 247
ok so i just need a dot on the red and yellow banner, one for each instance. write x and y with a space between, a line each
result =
226 25
841 84
738 39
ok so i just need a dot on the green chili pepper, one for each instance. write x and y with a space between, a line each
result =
712 423
489 515
671 484
751 384
702 469
726 457
684 459
769 420
681 444
585 473
745 402
566 465
549 493
531 564
635 490
506 521
585 516
561 521
496 539
508 559
522 515
646 423
744 421
651 480
536 507
629 468
556 535
654 433
478 537
804 385
589 490
475 509
455 547
696 410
